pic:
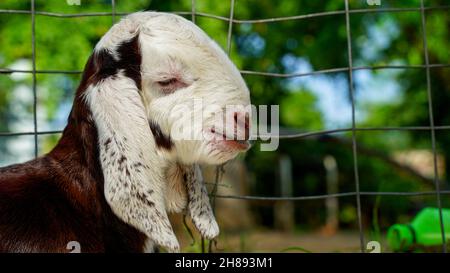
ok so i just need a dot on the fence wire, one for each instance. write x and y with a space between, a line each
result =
347 12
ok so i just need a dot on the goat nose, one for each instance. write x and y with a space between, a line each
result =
242 121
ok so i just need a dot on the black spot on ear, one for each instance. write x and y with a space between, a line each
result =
162 141
102 64
130 59
105 64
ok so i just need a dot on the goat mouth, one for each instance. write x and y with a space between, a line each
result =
237 144
229 143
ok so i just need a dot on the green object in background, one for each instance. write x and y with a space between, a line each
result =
424 230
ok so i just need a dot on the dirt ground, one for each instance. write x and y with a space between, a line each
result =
273 241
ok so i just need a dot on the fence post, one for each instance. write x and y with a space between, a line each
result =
284 210
331 203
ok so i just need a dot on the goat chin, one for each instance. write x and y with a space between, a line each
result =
108 184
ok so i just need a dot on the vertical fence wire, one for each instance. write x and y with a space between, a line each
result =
230 27
33 60
354 143
432 129
220 169
193 4
193 11
113 11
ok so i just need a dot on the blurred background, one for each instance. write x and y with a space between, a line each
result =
316 165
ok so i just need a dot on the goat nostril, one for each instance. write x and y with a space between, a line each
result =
242 121
247 120
247 132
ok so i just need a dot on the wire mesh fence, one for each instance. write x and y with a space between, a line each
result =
350 69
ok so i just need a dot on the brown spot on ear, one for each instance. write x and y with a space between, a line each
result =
143 198
130 59
102 64
108 141
162 140
105 64
122 159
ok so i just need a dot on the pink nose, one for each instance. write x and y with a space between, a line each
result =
241 122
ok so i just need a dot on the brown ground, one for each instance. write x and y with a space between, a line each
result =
273 241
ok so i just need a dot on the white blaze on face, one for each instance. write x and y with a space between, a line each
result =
151 73
183 68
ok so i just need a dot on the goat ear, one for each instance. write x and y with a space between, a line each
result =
133 172
199 207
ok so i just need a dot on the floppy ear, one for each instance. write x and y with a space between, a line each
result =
133 172
199 206
187 190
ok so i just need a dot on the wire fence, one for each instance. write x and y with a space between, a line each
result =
432 128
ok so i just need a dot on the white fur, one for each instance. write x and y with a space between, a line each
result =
176 194
187 190
199 207
127 154
174 45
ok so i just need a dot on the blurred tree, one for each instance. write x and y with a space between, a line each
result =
278 47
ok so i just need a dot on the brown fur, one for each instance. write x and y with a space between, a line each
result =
52 200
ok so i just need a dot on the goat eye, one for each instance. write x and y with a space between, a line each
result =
167 82
170 85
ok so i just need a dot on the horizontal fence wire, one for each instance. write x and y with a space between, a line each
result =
284 136
333 195
231 20
259 73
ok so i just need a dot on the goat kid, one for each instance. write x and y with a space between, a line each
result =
117 170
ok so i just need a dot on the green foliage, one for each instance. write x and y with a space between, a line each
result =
298 110
378 38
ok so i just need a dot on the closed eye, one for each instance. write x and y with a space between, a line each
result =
170 85
167 82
